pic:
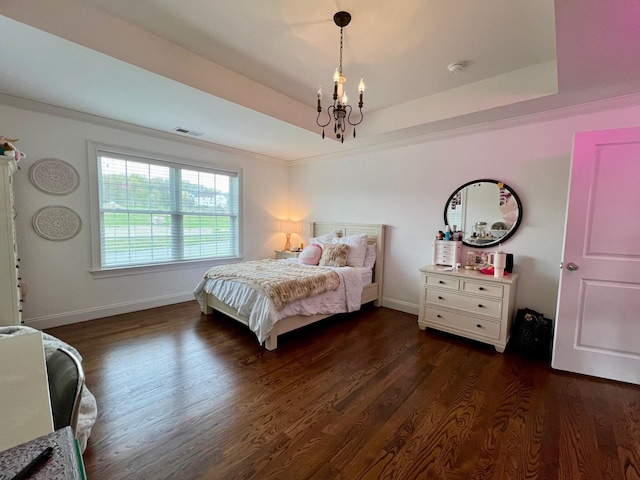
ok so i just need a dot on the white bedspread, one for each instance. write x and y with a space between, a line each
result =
261 312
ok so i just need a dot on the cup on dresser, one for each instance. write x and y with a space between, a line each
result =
499 262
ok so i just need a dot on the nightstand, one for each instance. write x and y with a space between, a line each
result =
286 254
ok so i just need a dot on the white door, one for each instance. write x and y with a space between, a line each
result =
597 328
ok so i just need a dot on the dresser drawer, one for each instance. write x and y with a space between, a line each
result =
488 289
442 258
441 281
446 247
456 322
479 306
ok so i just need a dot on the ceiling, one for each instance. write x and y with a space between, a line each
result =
245 73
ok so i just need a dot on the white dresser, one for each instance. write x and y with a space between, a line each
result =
10 295
468 303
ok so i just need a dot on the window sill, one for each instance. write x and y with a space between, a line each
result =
145 269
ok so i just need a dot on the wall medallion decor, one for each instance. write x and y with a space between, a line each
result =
56 223
54 176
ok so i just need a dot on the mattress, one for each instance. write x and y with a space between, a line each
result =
366 274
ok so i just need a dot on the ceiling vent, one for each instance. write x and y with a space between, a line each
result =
188 132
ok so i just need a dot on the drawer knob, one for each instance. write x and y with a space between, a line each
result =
480 305
440 281
481 288
440 298
479 326
439 316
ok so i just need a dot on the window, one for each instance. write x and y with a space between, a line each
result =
455 211
154 211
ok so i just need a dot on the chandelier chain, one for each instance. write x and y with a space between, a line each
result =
341 28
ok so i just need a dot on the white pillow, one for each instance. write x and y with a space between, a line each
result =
357 248
370 256
326 238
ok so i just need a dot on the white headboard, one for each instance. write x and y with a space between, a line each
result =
375 235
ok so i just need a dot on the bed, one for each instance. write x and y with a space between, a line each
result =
309 310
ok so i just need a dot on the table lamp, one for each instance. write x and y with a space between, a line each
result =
288 227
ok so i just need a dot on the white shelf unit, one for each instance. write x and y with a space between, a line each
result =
446 252
10 293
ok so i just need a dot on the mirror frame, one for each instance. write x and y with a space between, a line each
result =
498 240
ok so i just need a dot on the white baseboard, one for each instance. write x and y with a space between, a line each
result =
406 307
78 316
67 318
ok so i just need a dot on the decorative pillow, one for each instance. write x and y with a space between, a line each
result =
326 238
370 256
357 250
311 254
334 255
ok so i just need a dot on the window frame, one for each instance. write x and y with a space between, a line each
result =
95 149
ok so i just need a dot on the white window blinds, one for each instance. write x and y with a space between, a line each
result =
153 211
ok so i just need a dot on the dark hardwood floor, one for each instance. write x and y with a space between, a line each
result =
359 396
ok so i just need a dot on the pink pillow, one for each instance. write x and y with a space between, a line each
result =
311 254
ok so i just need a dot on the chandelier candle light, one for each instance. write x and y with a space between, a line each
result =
340 111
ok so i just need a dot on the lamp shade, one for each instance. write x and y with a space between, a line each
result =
289 226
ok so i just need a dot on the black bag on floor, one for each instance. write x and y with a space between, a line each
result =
531 334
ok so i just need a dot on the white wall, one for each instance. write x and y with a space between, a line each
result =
404 187
407 187
60 287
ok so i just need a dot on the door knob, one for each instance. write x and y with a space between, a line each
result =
572 267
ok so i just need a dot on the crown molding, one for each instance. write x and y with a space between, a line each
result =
559 113
39 107
548 115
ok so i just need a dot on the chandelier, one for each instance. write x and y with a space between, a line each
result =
340 111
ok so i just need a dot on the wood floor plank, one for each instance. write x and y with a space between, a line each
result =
365 395
434 445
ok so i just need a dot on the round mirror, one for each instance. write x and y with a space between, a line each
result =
483 212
